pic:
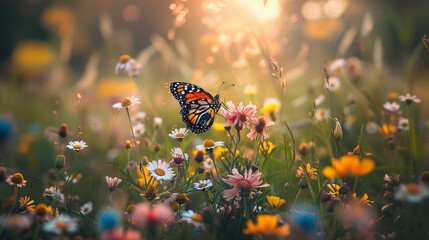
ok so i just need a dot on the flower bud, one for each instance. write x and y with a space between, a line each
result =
303 148
60 161
128 144
302 183
182 198
254 167
63 131
201 170
338 131
3 174
150 193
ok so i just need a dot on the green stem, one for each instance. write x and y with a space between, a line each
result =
15 195
135 143
72 168
107 199
413 140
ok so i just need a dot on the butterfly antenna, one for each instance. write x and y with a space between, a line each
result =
219 89
222 89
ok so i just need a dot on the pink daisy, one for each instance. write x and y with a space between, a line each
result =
249 181
259 125
240 115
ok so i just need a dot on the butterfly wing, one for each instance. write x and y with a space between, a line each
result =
198 107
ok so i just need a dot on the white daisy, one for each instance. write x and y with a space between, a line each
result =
319 100
203 184
61 224
193 218
372 128
403 124
337 64
333 84
408 99
86 208
160 170
392 107
138 129
209 144
127 102
412 192
138 117
321 114
77 145
128 65
54 193
157 121
179 134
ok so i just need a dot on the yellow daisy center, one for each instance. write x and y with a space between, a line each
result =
159 172
208 143
197 217
126 102
42 209
124 58
77 146
61 225
202 185
17 178
180 135
412 188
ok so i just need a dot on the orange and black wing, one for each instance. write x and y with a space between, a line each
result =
198 107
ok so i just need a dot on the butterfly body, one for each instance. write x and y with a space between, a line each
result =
198 107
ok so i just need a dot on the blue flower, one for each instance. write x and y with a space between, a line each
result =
108 220
5 129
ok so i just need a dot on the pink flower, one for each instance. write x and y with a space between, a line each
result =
144 214
120 233
259 125
249 181
240 115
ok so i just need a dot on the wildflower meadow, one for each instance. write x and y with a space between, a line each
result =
214 119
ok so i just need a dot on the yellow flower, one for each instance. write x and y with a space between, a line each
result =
32 57
309 171
334 190
217 126
219 150
250 90
116 87
364 199
26 204
275 201
42 210
141 178
348 165
322 29
388 129
266 225
267 146
271 105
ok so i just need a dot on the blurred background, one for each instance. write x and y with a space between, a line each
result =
58 58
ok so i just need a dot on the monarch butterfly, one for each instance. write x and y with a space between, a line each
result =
198 107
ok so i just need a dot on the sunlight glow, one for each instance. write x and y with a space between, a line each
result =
311 10
263 13
334 8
